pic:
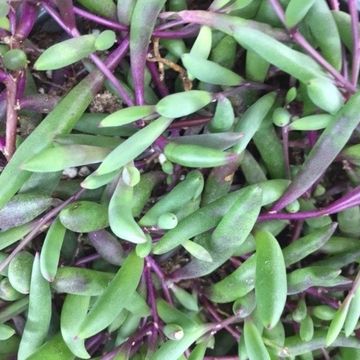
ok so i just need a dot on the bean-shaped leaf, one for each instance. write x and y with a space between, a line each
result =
296 11
329 145
306 328
94 181
308 244
73 313
294 346
323 312
202 45
61 157
256 67
270 279
19 271
311 122
127 115
323 28
224 116
254 343
142 191
343 22
140 34
7 292
50 251
133 146
53 349
188 301
190 188
107 246
23 208
250 121
66 53
301 279
81 281
39 313
353 315
325 95
107 306
197 156
337 322
293 62
6 332
210 72
239 216
84 216
197 251
86 139
219 141
121 219
106 8
191 101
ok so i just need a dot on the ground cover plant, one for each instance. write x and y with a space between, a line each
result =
179 179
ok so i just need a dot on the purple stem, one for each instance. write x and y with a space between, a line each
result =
156 268
352 4
190 123
220 323
318 293
100 20
27 20
152 303
144 331
11 116
97 61
163 90
300 40
347 201
186 32
93 343
87 259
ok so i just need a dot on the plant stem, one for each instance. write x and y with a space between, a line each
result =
347 201
152 303
355 36
156 268
160 85
11 115
190 123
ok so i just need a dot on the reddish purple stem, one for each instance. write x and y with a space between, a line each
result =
347 201
160 85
